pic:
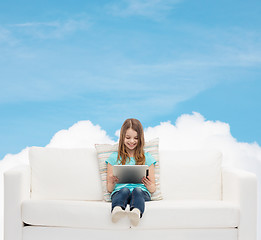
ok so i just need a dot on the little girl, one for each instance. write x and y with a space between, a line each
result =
130 152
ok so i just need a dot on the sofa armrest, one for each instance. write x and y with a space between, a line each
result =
240 187
16 189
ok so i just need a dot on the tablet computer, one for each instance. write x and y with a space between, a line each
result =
130 173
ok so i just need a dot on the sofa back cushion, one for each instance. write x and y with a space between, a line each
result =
189 175
64 174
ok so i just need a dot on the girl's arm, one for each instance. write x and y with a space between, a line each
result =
149 182
111 180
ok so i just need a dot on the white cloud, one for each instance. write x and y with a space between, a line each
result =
37 24
154 9
81 135
6 37
188 132
194 132
227 46
4 34
52 29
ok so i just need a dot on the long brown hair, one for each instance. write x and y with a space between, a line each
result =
123 155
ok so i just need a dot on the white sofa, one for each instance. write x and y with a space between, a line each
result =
60 197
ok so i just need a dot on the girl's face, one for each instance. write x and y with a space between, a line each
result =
131 139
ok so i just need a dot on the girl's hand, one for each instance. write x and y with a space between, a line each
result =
112 179
149 184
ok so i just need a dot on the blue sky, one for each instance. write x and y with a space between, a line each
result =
66 61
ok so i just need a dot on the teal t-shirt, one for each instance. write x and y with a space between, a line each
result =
149 159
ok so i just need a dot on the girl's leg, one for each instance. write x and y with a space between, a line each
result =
120 198
119 203
137 205
138 198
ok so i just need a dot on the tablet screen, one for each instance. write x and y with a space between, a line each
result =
130 173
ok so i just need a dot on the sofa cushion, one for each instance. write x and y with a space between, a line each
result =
190 214
187 175
70 174
74 214
105 150
158 214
